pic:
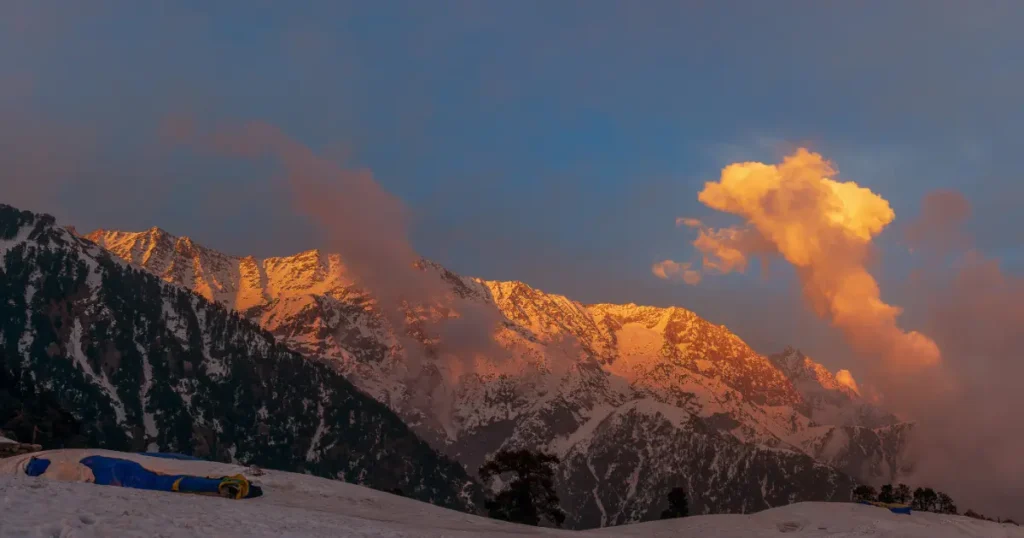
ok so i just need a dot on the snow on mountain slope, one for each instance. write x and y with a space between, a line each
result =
848 432
297 505
874 455
829 401
142 364
571 367
645 448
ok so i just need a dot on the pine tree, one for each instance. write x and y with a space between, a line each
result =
529 498
925 500
902 494
864 493
918 500
678 506
35 417
886 494
945 504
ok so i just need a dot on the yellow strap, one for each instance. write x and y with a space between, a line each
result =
240 481
177 483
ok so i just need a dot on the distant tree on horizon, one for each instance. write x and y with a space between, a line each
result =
529 497
945 504
886 494
902 494
925 500
864 492
678 505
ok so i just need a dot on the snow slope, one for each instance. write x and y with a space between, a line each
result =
292 505
301 505
818 520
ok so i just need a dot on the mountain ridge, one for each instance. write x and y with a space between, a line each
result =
145 364
571 384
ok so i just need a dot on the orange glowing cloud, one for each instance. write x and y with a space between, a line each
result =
728 250
824 228
670 270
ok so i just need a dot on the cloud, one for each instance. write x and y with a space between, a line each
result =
824 228
368 227
689 222
969 438
845 378
670 270
728 250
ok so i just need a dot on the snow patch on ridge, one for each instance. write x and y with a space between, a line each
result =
19 238
101 379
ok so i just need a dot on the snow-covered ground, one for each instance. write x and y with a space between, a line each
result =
818 520
301 505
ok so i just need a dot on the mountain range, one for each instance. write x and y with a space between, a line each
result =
144 364
634 399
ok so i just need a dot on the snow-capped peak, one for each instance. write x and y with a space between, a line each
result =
801 368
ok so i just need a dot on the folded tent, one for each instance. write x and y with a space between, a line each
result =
893 507
110 471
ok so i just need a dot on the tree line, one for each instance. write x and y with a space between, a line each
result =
921 499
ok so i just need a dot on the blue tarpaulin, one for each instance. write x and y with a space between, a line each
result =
894 508
118 472
109 471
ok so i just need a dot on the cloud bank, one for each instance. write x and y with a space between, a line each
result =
368 227
970 437
964 399
824 228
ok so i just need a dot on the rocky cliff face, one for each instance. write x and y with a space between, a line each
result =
635 399
143 364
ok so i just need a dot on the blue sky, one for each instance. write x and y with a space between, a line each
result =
551 142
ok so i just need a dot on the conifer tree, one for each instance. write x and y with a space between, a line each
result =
678 506
529 497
